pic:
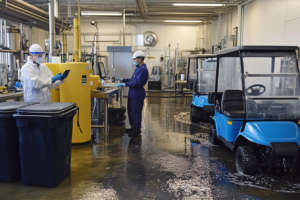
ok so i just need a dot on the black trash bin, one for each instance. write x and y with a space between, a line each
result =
45 134
10 168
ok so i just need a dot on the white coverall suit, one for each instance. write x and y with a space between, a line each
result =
37 82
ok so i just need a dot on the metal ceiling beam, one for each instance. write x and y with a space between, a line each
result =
140 5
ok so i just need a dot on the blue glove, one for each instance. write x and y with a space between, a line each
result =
56 77
64 76
120 85
119 79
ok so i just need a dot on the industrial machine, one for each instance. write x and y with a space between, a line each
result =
257 106
206 64
77 89
154 82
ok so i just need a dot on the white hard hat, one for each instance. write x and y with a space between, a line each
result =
138 54
36 49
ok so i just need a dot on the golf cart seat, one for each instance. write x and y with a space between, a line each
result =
232 104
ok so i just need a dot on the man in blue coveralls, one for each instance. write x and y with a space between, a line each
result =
136 93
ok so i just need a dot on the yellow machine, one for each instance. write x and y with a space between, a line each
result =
77 89
55 96
3 90
95 82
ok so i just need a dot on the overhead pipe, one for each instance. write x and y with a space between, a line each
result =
25 13
124 27
43 26
29 37
79 32
99 34
39 22
86 41
51 29
76 46
35 10
95 52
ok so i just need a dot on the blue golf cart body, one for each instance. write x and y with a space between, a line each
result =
201 74
257 106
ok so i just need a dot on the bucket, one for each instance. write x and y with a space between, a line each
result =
182 76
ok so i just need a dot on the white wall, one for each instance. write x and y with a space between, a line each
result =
184 35
272 22
228 22
266 22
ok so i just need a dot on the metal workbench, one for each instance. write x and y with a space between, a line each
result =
11 95
105 95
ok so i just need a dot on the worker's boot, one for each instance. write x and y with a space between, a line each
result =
135 132
128 130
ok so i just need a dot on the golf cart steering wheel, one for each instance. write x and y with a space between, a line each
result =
255 89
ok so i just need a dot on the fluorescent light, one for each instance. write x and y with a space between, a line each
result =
88 13
194 4
195 21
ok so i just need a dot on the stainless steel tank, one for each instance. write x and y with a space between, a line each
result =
13 37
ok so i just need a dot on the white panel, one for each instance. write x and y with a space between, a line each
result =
292 31
278 28
293 9
265 12
234 20
214 33
251 23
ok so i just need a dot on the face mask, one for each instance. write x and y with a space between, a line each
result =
39 60
135 63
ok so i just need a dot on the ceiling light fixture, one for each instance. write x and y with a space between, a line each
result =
194 4
190 21
89 13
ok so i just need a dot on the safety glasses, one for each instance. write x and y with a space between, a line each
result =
38 54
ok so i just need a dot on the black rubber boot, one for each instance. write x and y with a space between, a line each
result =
128 130
135 132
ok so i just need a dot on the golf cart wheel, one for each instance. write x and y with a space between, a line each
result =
195 115
213 139
245 160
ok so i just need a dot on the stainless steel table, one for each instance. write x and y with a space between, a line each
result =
105 95
11 95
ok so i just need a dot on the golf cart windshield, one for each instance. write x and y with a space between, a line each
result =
271 85
206 75
192 70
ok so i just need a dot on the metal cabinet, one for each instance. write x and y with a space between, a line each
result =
120 63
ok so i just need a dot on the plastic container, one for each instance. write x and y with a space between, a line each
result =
45 135
182 76
10 167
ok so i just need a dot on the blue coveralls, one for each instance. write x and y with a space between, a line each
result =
136 95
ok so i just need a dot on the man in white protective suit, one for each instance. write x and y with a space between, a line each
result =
37 79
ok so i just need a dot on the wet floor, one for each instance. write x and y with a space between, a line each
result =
170 160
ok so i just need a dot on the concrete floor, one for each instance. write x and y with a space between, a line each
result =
170 160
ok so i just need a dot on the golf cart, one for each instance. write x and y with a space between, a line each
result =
201 72
257 106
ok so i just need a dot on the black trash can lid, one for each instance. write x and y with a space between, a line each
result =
12 106
52 108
